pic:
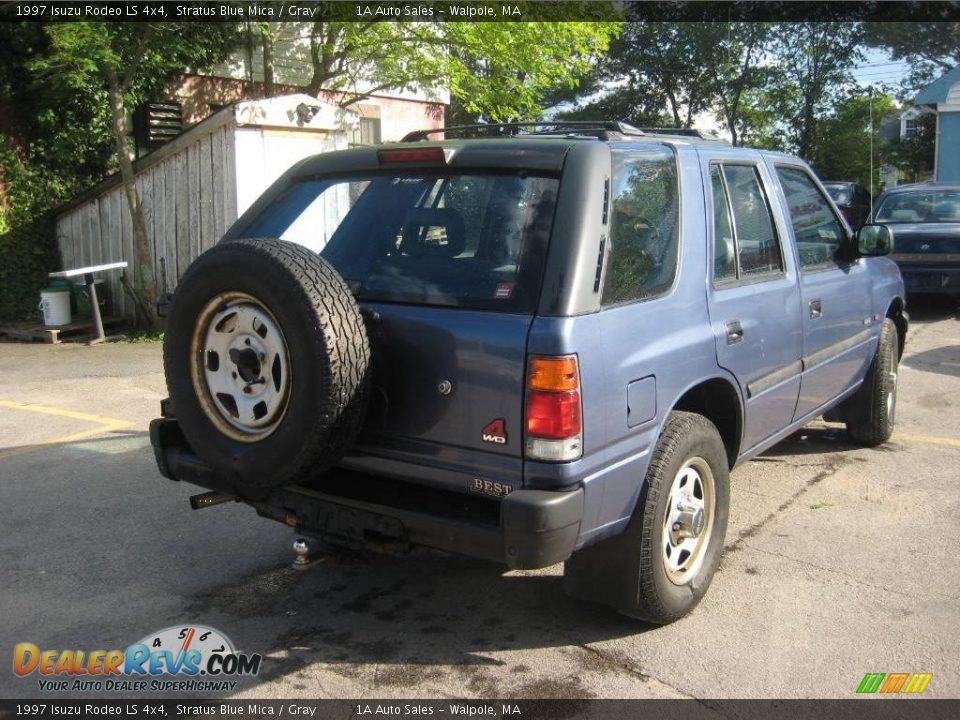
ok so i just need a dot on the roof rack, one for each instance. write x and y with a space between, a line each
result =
682 132
603 129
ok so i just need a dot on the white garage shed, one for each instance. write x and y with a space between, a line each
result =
194 187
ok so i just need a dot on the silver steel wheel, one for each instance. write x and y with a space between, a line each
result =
688 521
241 368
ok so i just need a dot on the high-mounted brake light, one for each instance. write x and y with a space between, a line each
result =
409 155
554 422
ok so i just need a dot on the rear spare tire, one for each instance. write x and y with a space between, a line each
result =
266 358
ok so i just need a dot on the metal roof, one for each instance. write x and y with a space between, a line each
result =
937 91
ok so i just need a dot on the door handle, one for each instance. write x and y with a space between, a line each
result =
816 310
734 332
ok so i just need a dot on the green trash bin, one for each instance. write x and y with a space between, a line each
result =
81 299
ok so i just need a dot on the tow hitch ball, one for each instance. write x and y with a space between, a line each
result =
304 550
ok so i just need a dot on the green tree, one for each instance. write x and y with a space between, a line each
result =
735 62
51 150
652 75
913 156
842 142
504 71
662 64
494 71
814 61
125 63
623 104
668 73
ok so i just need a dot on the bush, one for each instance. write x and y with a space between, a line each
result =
26 259
28 247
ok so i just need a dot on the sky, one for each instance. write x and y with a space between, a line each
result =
878 67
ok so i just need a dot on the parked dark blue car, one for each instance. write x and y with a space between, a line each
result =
533 349
925 219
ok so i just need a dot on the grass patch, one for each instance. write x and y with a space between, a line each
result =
147 338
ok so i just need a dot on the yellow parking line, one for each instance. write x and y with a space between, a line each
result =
105 425
13 405
928 439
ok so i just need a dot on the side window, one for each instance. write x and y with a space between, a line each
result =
724 247
745 240
644 227
817 230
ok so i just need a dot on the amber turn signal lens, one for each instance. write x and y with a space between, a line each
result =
554 374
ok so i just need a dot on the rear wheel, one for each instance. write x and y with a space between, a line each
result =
660 567
266 359
870 414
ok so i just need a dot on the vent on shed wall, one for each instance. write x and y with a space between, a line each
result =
156 123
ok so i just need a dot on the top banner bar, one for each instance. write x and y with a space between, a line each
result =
481 11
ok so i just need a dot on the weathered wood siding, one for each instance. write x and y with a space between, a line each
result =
188 200
189 197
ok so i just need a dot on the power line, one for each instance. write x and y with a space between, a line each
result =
895 62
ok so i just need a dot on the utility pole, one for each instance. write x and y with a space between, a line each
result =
871 150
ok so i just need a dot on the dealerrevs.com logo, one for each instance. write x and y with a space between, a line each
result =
192 658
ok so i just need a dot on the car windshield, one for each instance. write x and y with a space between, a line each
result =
929 206
473 240
840 194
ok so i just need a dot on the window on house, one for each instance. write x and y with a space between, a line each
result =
367 132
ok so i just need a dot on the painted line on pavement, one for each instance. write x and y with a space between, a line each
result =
927 439
104 425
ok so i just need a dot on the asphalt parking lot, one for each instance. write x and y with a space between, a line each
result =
839 561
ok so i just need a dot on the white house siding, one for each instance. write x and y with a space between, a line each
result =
953 98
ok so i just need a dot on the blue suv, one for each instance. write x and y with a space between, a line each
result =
547 344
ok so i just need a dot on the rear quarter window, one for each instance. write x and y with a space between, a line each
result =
645 227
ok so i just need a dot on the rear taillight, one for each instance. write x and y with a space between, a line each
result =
553 414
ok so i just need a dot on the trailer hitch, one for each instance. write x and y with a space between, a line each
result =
209 499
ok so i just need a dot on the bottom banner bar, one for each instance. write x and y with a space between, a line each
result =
857 709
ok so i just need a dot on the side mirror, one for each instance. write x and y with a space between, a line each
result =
874 240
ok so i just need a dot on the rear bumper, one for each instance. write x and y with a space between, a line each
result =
526 529
931 279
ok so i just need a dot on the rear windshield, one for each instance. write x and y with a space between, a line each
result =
472 241
840 194
937 206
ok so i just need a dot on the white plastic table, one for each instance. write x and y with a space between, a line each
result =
88 280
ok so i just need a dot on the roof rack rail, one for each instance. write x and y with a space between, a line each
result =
602 129
682 132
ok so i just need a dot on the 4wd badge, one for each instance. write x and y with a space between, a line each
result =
495 432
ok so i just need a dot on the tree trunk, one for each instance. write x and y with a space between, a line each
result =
267 38
146 284
806 129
